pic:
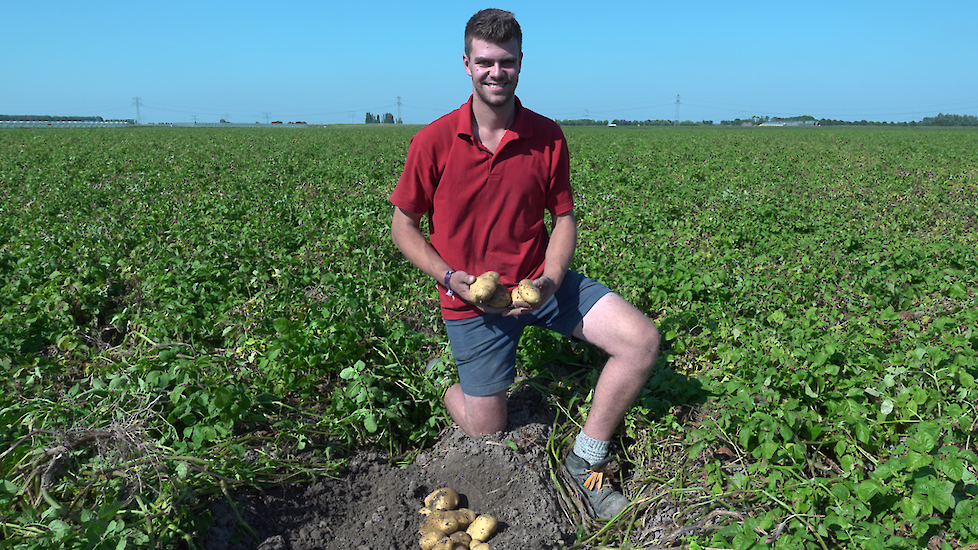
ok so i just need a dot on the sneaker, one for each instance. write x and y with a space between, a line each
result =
601 500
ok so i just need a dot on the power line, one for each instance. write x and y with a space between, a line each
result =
135 101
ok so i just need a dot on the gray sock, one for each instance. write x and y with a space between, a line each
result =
590 449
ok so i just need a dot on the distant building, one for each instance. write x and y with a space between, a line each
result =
790 123
69 121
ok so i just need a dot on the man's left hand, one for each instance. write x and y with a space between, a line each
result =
547 289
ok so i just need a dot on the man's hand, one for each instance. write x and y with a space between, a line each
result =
461 281
459 285
547 289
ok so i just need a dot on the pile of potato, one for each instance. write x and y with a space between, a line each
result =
487 290
446 527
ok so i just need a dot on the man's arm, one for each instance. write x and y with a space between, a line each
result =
560 250
560 253
407 236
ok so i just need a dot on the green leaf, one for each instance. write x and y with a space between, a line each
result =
917 460
868 489
966 379
940 495
886 407
370 423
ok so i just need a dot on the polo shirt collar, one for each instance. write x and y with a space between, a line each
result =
520 126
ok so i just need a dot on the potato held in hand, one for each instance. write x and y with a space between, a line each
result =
484 286
527 292
500 298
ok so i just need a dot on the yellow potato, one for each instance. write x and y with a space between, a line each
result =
430 539
461 538
464 517
445 498
482 289
441 521
482 528
476 545
444 544
500 297
528 292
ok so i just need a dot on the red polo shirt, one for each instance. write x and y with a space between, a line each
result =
486 211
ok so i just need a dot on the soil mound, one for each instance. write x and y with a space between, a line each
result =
373 506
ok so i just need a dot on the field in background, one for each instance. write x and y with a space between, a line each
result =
190 311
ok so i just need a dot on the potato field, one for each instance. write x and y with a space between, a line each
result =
188 313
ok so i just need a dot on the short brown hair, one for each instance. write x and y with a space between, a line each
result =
493 26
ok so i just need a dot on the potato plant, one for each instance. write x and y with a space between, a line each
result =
186 312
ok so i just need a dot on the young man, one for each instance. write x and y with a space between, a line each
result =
486 174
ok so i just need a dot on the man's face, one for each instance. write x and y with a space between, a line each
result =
495 70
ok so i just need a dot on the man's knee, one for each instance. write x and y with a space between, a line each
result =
649 341
477 415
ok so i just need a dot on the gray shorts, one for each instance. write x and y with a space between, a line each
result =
484 347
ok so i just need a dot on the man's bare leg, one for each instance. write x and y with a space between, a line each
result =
477 415
632 342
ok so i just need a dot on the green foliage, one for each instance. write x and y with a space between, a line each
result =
821 287
223 305
950 120
187 311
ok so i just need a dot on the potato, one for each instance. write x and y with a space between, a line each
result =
464 517
527 292
441 521
444 544
445 498
500 297
482 528
476 545
430 539
461 538
482 289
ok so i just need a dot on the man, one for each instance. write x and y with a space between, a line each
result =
486 174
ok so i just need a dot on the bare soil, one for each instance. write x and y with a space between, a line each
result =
374 506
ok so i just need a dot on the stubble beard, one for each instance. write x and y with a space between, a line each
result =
496 100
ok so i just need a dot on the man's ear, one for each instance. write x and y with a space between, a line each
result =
465 62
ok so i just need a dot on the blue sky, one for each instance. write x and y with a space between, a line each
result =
330 62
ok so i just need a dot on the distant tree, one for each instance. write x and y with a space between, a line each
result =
372 118
951 120
388 118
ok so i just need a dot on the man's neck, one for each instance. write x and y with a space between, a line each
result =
489 124
493 119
